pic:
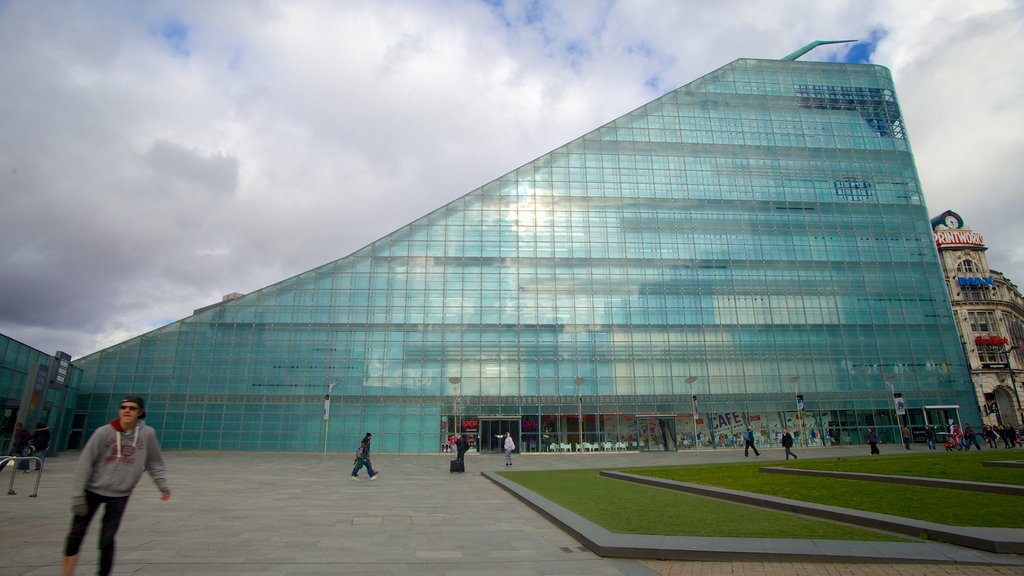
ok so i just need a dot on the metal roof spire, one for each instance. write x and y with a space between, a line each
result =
812 46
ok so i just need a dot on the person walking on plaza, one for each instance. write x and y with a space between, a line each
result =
363 459
509 447
787 443
107 471
1001 431
990 435
970 437
21 442
748 443
929 436
41 442
1009 435
906 437
958 436
873 441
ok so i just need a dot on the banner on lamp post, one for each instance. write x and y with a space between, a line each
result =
901 405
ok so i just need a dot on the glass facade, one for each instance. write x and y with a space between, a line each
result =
23 374
753 245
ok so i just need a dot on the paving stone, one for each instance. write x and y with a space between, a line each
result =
301 515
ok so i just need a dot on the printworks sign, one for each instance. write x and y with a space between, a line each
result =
958 238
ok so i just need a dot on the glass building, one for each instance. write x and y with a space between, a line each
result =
36 387
752 248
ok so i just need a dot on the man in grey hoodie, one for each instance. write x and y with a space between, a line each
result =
108 468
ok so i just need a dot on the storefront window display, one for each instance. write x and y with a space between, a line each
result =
553 431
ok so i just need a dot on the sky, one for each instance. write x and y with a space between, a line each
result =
155 156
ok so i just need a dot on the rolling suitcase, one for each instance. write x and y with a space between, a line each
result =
456 466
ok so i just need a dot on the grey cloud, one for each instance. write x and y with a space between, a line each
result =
215 173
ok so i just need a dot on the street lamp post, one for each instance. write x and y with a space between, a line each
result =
1013 382
888 380
327 413
794 381
456 401
693 407
578 381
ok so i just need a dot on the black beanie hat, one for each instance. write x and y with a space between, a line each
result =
136 399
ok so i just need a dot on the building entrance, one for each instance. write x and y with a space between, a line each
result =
1005 412
941 418
657 432
491 428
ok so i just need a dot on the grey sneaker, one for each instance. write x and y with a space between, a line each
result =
355 478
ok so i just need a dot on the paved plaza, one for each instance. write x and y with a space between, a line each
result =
301 515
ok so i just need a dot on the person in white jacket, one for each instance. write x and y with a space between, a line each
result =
107 471
509 447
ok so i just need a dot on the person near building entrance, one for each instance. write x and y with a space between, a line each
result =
905 431
107 471
929 436
509 446
970 437
363 459
990 435
873 441
787 443
957 434
21 441
748 443
41 442
1009 435
461 447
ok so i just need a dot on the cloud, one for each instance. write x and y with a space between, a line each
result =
175 34
158 155
962 106
190 171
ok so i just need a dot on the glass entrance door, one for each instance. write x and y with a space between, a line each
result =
941 419
657 432
491 428
76 440
7 428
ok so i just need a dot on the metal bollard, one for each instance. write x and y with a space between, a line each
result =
14 472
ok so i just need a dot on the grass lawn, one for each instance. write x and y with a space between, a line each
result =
954 507
627 508
945 465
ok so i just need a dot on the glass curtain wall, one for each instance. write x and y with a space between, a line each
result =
755 237
17 364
